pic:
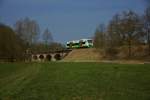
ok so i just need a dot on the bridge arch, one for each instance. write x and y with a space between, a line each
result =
41 57
35 57
48 57
57 56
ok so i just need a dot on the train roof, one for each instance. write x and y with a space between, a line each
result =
85 39
76 41
73 41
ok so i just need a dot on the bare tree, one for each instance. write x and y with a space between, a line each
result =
28 30
47 37
99 38
130 27
115 35
124 29
147 26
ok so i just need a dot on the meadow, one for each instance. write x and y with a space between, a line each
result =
74 81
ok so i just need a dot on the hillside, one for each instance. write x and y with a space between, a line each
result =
87 54
92 55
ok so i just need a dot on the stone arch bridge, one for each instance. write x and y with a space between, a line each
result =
49 56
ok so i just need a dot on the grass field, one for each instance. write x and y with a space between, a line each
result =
74 81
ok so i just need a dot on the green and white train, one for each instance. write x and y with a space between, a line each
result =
82 43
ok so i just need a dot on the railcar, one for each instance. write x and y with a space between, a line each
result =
82 43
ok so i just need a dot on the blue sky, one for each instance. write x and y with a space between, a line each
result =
66 19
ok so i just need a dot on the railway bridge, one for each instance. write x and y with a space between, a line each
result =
49 56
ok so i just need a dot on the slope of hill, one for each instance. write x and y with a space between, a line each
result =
87 54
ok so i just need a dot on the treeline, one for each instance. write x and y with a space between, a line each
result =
17 43
127 35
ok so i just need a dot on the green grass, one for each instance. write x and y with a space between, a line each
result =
74 81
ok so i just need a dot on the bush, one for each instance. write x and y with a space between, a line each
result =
11 47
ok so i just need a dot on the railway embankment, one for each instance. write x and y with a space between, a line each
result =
83 55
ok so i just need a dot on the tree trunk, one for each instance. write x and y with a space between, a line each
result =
129 47
148 40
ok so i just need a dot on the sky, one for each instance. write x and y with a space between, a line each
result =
67 19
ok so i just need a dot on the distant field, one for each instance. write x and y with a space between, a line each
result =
74 81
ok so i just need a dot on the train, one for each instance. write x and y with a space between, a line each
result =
82 43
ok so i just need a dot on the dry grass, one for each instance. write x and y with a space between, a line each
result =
139 55
89 54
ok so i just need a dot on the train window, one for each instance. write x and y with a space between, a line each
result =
83 42
89 41
76 44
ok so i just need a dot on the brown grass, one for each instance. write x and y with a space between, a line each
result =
139 55
88 54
